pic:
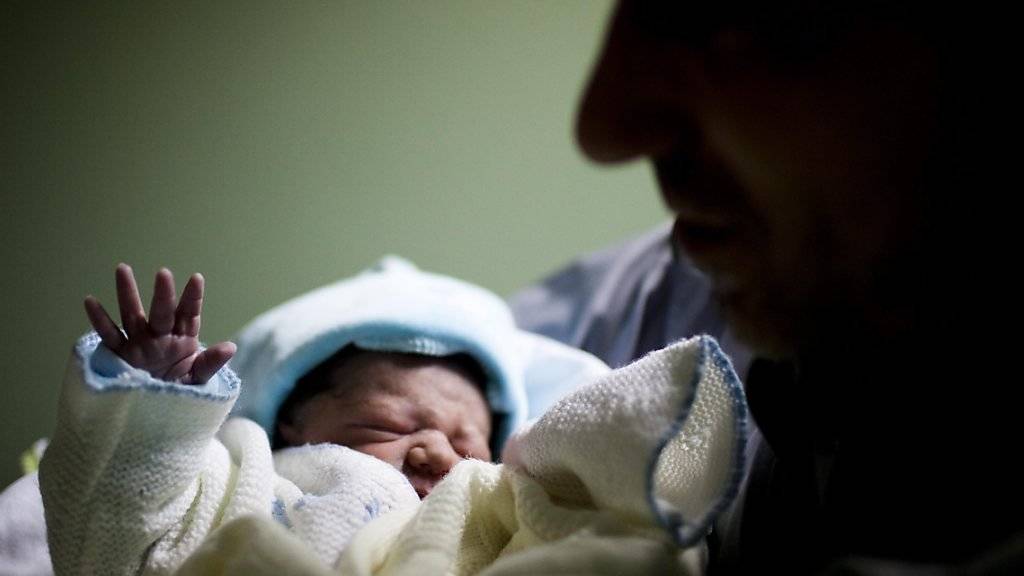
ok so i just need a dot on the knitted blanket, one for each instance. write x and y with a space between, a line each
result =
625 475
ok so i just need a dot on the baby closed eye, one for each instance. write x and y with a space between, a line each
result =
377 432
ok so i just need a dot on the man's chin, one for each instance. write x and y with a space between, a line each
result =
769 333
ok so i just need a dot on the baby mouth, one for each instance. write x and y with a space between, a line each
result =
423 485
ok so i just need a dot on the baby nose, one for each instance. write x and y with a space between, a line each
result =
433 455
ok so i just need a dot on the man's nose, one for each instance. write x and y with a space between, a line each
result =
636 101
432 455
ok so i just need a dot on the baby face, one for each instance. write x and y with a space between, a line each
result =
414 412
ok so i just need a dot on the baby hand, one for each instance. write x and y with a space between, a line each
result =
167 344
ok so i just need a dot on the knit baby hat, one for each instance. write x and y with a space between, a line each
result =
395 307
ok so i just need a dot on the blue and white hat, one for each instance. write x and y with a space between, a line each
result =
395 307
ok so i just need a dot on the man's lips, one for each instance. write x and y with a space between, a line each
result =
698 188
717 250
704 239
701 234
713 225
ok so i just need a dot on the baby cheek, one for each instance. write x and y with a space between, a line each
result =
483 453
392 452
476 447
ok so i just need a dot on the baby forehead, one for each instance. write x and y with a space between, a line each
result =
384 375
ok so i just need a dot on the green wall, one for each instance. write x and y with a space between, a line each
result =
278 146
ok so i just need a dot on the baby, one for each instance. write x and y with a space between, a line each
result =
373 389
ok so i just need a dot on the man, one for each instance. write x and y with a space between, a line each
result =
825 166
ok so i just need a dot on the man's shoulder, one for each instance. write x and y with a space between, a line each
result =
591 280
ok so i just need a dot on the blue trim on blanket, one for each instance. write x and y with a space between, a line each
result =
739 406
674 523
372 508
686 534
103 372
280 513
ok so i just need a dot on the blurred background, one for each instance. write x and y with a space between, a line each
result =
277 146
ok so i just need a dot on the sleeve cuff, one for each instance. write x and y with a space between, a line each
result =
105 371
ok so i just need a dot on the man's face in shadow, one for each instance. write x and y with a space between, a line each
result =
792 150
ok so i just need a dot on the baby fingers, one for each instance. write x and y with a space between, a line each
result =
161 308
187 316
133 316
111 335
209 361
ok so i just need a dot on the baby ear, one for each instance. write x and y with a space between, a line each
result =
290 433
